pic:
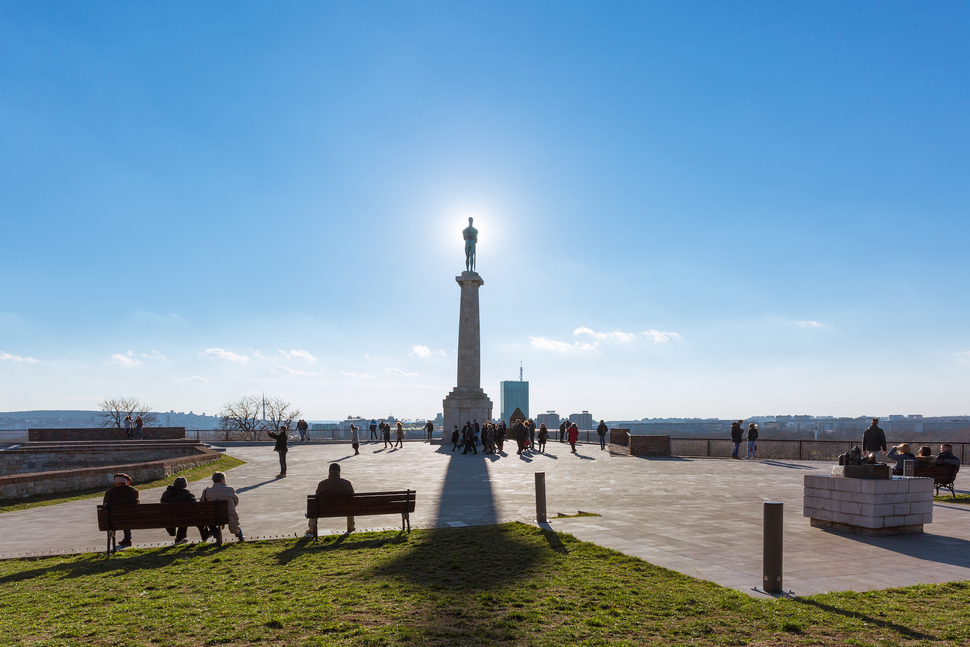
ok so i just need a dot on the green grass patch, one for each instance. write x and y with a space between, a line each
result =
481 586
960 498
194 474
574 516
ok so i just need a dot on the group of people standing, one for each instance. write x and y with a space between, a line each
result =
528 438
133 427
737 437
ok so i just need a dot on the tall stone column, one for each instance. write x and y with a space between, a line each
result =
467 401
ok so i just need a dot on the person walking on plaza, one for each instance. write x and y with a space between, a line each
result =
874 439
400 436
470 438
500 435
455 437
373 430
752 439
219 491
543 437
532 433
333 487
573 436
139 423
601 432
488 438
519 433
304 430
737 437
128 427
563 426
280 437
122 494
355 438
178 492
430 429
386 433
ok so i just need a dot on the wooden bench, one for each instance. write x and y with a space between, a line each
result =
362 504
144 516
942 475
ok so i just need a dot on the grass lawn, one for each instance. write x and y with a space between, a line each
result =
493 585
194 474
960 498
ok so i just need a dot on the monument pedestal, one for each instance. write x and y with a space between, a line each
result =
467 401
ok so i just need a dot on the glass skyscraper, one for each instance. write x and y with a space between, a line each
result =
514 394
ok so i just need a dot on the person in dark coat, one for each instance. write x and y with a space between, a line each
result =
947 457
122 494
601 432
470 434
737 436
334 487
455 436
519 433
901 454
563 426
177 492
752 439
874 439
280 437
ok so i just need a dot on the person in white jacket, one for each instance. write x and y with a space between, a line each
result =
219 491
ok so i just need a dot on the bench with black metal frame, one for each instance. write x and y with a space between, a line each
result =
942 475
362 504
145 516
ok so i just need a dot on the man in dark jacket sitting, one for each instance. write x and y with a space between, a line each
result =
333 487
947 457
177 493
122 494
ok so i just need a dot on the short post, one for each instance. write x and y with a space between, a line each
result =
773 543
540 497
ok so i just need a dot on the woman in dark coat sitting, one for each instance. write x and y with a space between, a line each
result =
177 493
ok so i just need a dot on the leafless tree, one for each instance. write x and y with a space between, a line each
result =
280 413
114 410
242 418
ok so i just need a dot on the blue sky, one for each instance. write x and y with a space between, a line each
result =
686 208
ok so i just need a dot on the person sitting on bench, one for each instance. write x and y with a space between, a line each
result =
947 457
177 492
219 491
333 487
122 494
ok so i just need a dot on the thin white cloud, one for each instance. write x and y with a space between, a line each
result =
963 356
289 371
442 353
299 354
400 372
7 357
363 376
421 351
125 360
218 353
561 346
155 355
194 378
660 336
810 324
615 336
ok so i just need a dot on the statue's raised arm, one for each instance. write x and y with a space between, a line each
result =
471 240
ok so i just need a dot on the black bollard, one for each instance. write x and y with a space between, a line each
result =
774 541
540 497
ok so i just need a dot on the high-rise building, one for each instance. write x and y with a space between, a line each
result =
550 419
583 420
514 395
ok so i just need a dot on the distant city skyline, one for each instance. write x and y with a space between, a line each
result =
684 210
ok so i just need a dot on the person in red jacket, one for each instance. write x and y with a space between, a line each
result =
573 436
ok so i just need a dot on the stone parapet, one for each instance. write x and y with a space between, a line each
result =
649 445
102 433
869 506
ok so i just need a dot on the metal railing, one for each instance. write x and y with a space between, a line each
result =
793 450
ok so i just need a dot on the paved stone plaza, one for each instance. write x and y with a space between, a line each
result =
701 517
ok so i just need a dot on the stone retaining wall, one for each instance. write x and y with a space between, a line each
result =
50 457
102 433
620 437
18 486
649 445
